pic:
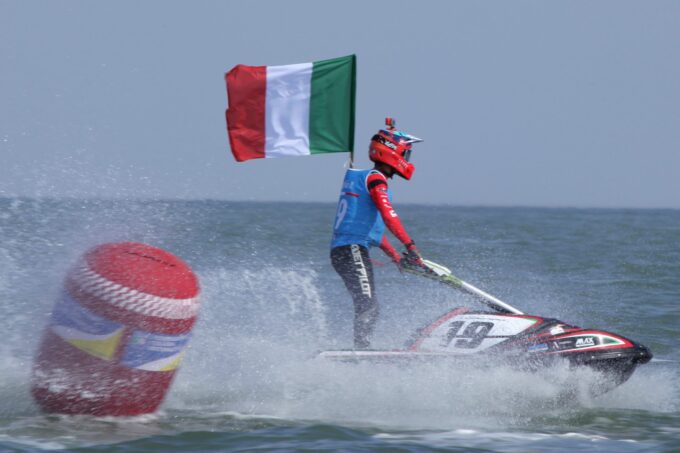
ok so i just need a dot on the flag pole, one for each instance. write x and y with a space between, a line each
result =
353 100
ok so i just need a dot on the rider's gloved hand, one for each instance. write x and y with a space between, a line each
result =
412 257
397 262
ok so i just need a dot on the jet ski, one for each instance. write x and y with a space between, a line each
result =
502 333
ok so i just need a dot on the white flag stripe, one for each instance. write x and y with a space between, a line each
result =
287 110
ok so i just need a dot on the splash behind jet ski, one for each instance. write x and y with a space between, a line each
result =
502 333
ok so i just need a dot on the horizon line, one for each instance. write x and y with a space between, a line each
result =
225 200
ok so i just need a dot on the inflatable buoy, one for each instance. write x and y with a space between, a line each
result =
117 333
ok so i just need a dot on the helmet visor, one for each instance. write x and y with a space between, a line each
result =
407 155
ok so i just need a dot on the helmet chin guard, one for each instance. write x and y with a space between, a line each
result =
393 148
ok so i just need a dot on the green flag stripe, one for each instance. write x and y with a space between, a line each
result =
331 112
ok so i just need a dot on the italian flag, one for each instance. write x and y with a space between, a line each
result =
291 110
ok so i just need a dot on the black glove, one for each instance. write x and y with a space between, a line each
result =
411 258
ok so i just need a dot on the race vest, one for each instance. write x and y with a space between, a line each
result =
357 220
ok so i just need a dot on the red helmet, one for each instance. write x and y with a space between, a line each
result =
393 148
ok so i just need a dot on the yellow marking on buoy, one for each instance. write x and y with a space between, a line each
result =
104 349
174 364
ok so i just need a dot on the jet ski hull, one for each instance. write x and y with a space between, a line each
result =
522 341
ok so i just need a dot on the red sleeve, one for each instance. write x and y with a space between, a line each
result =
376 183
390 251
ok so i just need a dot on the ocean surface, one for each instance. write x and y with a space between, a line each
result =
270 300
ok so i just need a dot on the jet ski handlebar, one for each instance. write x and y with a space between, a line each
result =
444 275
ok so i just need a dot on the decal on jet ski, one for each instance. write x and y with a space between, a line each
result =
584 342
474 332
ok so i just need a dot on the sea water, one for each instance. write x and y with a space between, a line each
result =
271 301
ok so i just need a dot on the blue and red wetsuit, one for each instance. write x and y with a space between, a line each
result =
364 212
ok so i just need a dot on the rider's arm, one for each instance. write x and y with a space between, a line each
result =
390 251
377 187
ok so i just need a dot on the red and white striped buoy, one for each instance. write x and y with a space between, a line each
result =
117 333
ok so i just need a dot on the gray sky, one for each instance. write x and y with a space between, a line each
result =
539 103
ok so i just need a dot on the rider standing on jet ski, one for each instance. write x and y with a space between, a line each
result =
364 210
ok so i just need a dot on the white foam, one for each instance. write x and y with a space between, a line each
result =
252 348
519 441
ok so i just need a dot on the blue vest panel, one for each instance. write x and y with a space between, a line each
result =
357 220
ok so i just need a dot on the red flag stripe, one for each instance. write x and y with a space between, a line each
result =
247 90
